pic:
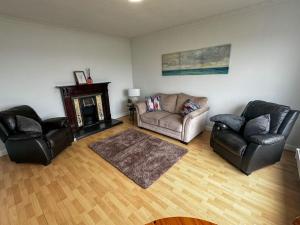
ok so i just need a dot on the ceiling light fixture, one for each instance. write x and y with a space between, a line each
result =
135 0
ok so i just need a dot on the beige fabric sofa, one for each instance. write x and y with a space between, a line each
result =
169 121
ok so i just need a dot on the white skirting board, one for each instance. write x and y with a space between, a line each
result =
3 152
297 156
2 149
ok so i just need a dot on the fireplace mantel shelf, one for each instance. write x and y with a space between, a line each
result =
82 85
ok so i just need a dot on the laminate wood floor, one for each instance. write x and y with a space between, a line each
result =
79 187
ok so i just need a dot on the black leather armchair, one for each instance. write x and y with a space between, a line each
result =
30 146
259 150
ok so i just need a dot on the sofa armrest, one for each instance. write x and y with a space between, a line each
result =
196 113
194 123
141 107
266 139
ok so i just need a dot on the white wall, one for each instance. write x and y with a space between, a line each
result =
35 58
265 59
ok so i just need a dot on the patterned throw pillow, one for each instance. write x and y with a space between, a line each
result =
149 103
153 103
189 106
156 103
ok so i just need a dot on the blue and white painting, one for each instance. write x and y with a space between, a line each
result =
205 61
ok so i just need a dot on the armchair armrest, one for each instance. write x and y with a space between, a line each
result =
266 139
141 107
24 136
221 126
231 121
55 123
28 147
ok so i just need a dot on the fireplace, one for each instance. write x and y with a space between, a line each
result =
87 108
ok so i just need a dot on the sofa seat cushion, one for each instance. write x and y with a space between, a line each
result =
231 141
153 117
168 102
172 122
182 98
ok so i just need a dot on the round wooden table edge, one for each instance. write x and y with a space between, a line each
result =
180 221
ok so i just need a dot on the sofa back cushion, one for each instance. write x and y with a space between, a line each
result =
182 98
168 102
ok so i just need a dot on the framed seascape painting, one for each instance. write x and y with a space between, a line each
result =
205 61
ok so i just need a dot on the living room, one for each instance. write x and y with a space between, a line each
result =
114 58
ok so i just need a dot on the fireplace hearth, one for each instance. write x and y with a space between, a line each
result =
87 108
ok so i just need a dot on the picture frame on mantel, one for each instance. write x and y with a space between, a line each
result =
80 77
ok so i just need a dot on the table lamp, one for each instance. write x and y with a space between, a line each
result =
133 94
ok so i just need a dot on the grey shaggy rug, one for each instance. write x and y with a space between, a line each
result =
139 156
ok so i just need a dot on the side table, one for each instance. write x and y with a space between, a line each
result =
132 110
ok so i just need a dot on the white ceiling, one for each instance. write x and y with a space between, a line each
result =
119 17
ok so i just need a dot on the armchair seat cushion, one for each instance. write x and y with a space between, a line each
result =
232 142
153 117
172 122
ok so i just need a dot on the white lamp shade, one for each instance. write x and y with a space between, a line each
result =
134 92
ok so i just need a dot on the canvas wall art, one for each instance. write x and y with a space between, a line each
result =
205 61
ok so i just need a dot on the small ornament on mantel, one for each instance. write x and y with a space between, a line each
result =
89 79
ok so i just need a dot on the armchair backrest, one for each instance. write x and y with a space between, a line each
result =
288 123
277 112
8 119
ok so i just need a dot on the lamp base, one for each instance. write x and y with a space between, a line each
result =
132 100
